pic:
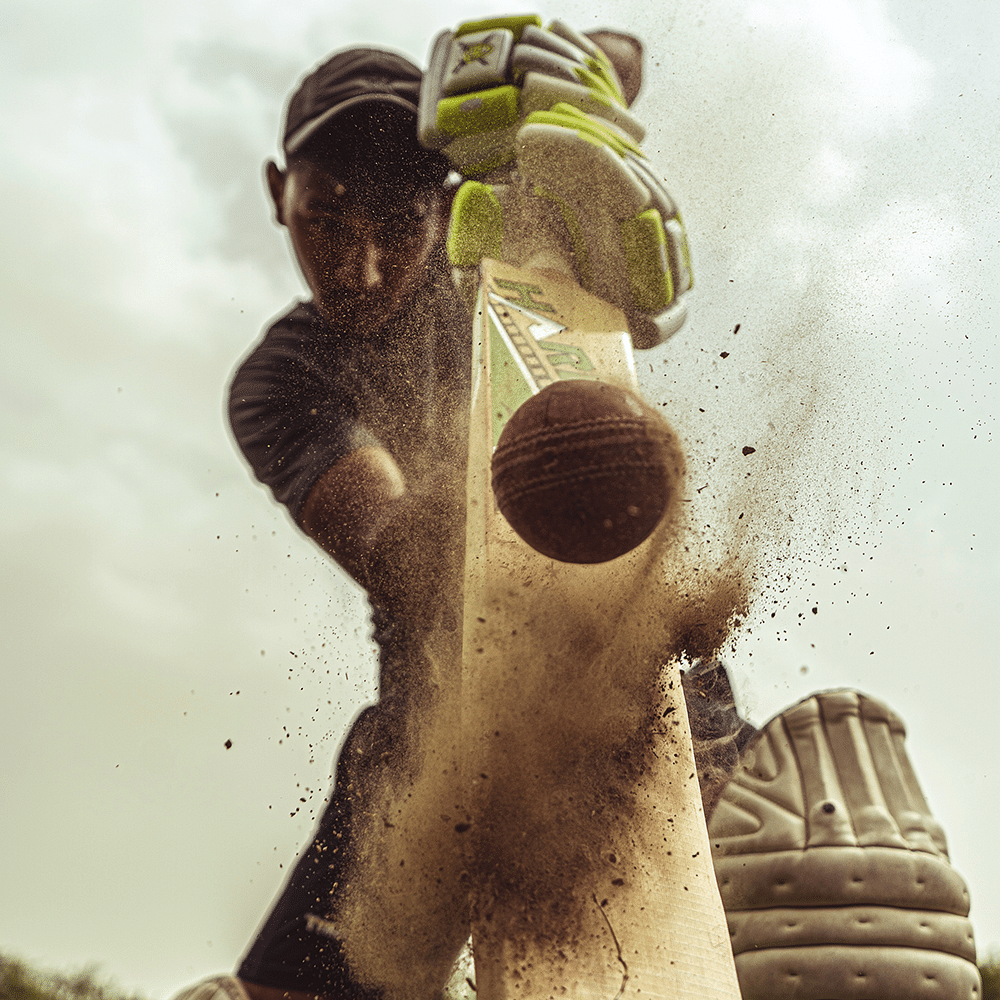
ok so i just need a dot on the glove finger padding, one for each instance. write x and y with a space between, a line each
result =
588 187
486 77
628 241
833 873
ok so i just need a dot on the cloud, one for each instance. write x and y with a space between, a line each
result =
848 57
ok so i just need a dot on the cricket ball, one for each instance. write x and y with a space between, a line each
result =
584 471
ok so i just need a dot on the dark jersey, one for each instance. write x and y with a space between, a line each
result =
309 394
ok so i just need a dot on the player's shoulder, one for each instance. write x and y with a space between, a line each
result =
302 322
284 356
298 332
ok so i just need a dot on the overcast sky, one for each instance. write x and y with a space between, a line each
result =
835 164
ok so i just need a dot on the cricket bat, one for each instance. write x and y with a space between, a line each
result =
589 862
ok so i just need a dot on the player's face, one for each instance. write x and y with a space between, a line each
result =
362 256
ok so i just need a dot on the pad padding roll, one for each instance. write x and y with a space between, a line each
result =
833 872
855 973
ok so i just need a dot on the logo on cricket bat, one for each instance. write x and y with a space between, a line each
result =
525 354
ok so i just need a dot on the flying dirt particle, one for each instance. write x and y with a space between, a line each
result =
747 450
724 354
228 744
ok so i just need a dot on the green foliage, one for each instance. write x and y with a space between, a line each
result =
19 981
989 969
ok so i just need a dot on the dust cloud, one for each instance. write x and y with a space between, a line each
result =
523 779
518 780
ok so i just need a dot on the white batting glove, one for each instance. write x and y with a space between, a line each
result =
620 227
543 109
487 76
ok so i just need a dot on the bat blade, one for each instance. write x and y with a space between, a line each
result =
589 863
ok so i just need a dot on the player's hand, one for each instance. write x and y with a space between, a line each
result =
576 160
412 558
590 189
486 77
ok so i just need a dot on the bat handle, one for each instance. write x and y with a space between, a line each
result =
549 259
533 232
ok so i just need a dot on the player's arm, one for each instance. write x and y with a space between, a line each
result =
349 503
301 437
393 537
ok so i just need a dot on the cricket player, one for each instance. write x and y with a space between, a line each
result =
353 410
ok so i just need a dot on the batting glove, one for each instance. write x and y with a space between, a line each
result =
542 110
486 77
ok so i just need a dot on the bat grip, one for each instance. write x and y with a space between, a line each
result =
534 232
549 259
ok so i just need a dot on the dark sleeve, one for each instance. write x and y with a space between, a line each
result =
293 414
